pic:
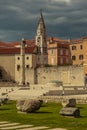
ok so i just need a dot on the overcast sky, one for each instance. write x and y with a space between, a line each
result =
63 18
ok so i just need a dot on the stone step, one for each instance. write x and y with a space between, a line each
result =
4 125
8 124
35 128
15 127
3 122
57 129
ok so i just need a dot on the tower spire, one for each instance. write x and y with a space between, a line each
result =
41 40
41 20
41 13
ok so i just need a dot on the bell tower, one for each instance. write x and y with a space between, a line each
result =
41 41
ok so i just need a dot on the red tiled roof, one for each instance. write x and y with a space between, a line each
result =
57 40
53 39
80 40
77 40
2 44
15 50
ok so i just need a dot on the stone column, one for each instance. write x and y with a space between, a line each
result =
22 55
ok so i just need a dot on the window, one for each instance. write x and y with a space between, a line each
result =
61 61
27 66
38 39
73 47
27 57
67 52
18 58
61 52
81 46
52 51
73 57
18 67
80 57
67 60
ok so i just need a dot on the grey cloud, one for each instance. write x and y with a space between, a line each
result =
63 18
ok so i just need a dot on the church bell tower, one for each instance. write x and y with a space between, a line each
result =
41 41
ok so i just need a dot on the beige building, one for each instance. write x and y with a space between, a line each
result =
78 49
58 52
11 62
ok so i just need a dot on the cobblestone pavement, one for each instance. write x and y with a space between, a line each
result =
4 125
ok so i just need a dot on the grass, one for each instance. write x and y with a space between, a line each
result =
48 115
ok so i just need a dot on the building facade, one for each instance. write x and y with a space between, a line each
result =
58 52
11 62
78 49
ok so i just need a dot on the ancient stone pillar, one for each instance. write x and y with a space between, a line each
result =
22 54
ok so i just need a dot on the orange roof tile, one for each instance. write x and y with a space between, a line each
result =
57 40
2 44
80 40
15 50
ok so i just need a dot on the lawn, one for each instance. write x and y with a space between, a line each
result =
48 115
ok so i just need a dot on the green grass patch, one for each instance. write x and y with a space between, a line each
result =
48 115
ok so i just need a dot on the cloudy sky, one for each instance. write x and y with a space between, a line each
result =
63 18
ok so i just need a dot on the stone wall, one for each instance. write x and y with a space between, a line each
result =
69 75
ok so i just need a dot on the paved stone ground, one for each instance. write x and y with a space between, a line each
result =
4 125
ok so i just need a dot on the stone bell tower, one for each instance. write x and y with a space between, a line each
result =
41 41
